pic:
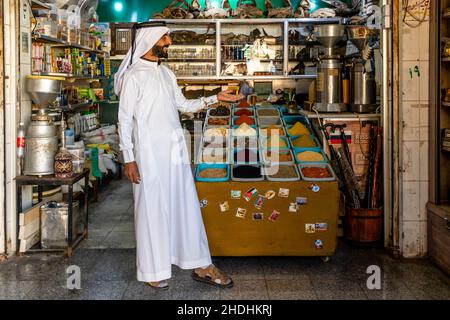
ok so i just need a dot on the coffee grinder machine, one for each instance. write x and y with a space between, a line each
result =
41 138
362 77
329 97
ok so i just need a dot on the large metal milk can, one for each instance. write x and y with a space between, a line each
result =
41 146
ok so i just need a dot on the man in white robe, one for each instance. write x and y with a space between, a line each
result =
168 221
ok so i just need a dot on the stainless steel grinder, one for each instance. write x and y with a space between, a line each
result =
41 138
329 71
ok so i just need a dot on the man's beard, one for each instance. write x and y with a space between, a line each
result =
159 51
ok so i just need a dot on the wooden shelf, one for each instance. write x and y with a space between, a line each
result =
445 104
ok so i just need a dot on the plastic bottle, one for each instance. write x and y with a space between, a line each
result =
21 140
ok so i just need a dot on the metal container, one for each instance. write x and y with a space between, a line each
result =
329 86
43 90
40 148
363 89
55 226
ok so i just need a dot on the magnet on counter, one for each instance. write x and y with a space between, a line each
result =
250 194
283 193
259 202
240 213
236 194
270 194
293 207
310 228
321 226
318 244
203 203
301 200
224 206
274 215
258 216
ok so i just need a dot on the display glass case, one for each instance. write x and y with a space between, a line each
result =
193 53
255 49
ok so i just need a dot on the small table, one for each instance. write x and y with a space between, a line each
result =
51 180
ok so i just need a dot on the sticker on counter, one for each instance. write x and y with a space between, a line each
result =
314 187
274 215
240 213
301 200
236 194
224 206
270 194
318 244
310 228
321 226
203 203
259 202
258 216
293 207
250 194
283 193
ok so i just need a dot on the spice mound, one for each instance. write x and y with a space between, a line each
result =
242 112
213 173
299 129
244 130
310 156
304 142
282 172
247 172
220 111
267 112
243 104
246 156
216 132
244 119
272 130
218 121
273 143
219 143
316 172
278 156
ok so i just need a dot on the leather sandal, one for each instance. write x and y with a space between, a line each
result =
212 275
159 285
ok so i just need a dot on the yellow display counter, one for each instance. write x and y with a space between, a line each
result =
311 231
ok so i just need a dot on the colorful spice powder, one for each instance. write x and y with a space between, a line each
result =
243 104
304 142
298 129
242 112
244 119
247 172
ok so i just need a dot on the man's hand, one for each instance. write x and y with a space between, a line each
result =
132 172
229 96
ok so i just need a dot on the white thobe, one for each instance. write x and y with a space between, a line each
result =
168 221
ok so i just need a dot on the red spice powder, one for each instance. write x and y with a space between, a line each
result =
242 112
243 104
244 119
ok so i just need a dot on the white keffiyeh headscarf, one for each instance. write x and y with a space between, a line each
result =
146 38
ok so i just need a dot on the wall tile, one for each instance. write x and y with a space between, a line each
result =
7 53
411 161
424 155
424 121
409 47
411 120
6 12
410 86
412 239
410 201
425 41
424 80
25 45
424 197
25 70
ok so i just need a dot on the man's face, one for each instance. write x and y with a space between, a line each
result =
161 48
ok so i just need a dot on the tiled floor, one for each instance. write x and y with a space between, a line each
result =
107 265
